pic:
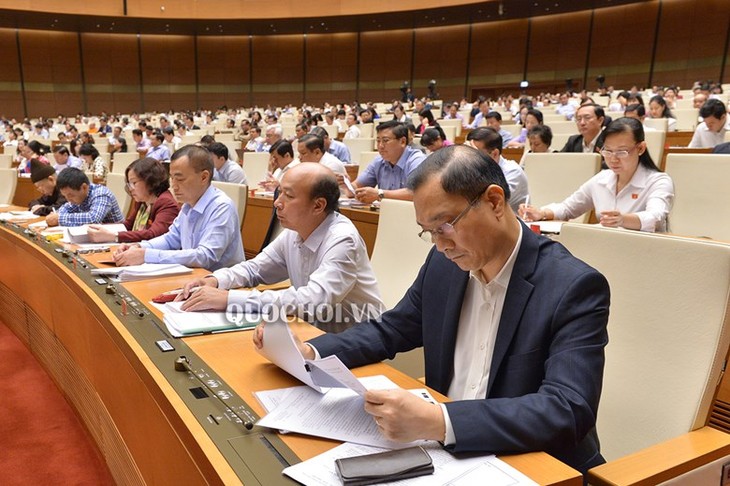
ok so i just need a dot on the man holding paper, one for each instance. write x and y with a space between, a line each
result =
320 251
512 325
206 231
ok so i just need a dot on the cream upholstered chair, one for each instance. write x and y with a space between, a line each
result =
700 203
398 255
559 141
121 161
358 145
6 161
239 194
513 129
8 183
553 177
563 127
232 146
661 124
669 332
115 183
256 166
365 159
655 143
687 119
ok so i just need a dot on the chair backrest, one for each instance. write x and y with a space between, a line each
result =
115 183
358 145
233 146
668 329
687 118
451 131
700 203
563 127
239 194
553 177
367 130
190 139
657 123
122 161
256 166
655 143
365 159
398 253
331 131
559 140
6 161
8 183
513 129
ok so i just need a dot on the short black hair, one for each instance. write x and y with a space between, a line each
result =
714 108
320 132
218 149
72 178
89 149
399 129
464 171
61 149
282 147
312 142
597 109
491 137
326 186
495 115
544 132
429 136
639 109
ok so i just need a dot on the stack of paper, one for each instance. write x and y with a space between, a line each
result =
17 216
181 323
80 234
140 272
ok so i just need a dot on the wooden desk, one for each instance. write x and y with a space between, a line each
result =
148 428
258 215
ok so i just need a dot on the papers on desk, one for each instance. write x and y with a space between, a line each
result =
140 272
181 323
80 234
280 349
449 469
17 216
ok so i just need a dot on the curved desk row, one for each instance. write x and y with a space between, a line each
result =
154 424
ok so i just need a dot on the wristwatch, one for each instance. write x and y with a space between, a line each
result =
381 194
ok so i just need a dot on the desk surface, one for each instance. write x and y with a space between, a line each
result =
142 399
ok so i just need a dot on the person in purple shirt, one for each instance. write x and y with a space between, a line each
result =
390 170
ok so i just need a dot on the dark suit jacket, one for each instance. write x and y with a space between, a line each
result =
574 144
163 213
547 368
723 148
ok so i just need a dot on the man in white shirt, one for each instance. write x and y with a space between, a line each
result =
282 159
320 251
352 129
311 149
226 170
565 108
489 142
714 124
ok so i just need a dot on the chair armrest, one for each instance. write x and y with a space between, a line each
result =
663 461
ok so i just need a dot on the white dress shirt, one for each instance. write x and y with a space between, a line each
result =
476 336
649 194
333 163
517 181
279 173
705 138
330 270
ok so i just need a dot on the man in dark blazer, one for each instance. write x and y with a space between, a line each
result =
590 119
532 383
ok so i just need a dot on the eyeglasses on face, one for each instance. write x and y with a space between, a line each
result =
447 230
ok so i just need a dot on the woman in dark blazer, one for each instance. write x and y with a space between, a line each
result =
154 209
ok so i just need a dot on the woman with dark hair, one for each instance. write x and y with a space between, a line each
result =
529 119
86 137
427 121
31 150
93 162
658 109
154 207
632 193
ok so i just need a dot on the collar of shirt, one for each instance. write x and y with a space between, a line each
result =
403 158
202 203
315 239
638 180
505 273
590 146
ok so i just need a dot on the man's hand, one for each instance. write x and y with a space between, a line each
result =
208 281
129 255
206 299
403 417
258 341
35 208
366 194
52 219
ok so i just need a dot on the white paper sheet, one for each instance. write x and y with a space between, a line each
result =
181 323
280 348
448 469
80 234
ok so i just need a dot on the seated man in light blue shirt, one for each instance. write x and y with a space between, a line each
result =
494 121
334 147
206 233
390 170
158 149
226 170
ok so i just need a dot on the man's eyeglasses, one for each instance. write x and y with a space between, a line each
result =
447 229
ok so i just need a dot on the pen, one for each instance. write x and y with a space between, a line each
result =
527 203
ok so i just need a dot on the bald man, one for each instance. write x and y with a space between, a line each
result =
319 250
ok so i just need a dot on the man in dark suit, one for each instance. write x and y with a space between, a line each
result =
513 327
590 121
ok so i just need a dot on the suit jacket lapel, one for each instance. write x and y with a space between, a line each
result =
518 293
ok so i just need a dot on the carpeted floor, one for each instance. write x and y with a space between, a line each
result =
42 440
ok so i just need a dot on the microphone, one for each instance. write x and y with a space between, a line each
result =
183 364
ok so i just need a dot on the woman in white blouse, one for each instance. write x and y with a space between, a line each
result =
632 193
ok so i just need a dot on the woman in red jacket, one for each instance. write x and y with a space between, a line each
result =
154 210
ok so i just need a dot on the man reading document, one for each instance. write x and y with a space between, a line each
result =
513 326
